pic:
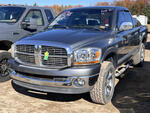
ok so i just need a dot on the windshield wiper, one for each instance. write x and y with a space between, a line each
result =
99 29
87 27
60 26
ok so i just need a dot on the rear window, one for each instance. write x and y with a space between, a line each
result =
48 15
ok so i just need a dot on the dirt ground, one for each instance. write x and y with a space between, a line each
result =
132 95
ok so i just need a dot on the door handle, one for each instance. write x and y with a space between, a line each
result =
15 33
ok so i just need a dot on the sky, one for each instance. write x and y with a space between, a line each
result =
51 2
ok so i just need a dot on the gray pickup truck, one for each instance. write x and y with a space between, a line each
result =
83 50
17 22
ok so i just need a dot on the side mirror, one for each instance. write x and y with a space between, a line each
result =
125 26
31 24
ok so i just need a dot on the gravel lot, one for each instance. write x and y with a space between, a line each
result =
132 95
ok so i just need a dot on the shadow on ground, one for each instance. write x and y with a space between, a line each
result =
132 93
147 45
51 96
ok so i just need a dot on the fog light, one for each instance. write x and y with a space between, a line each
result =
79 82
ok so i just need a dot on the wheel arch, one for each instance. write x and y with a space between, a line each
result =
111 52
144 36
5 45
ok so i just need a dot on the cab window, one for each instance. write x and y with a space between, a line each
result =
128 17
121 18
35 14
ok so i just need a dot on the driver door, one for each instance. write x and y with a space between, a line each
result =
34 14
126 38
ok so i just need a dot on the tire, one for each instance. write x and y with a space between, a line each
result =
101 94
4 66
138 59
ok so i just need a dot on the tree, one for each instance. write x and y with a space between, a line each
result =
60 8
35 4
26 4
102 4
135 6
146 12
140 5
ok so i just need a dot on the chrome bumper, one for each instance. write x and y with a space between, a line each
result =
44 82
88 73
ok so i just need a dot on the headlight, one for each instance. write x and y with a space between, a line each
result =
13 50
87 56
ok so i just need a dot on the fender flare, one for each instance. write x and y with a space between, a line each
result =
111 50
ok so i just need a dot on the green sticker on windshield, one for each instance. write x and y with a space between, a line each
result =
46 55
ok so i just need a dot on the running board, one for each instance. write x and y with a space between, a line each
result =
121 70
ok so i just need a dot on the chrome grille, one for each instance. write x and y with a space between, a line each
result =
25 48
57 57
54 50
55 61
33 54
26 58
25 53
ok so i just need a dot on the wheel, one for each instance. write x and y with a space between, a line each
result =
138 59
103 90
4 66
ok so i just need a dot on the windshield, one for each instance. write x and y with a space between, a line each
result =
10 14
85 18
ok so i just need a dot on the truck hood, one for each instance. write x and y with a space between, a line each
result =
72 37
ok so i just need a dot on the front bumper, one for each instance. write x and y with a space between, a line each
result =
88 73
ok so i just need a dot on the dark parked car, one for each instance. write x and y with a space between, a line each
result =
16 22
83 51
